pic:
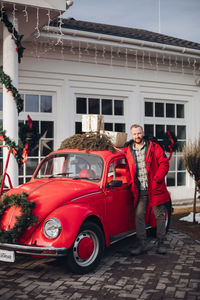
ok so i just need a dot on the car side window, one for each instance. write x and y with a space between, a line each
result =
118 170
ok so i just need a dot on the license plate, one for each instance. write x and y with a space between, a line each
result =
6 255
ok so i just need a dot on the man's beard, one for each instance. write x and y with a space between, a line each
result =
138 140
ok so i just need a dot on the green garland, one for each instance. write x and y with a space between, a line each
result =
15 36
6 80
12 145
23 222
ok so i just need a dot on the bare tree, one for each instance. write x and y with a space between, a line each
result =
191 159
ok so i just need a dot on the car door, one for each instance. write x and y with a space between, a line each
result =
118 198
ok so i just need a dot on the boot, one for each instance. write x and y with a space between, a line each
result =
141 248
161 248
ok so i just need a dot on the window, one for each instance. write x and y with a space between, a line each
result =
42 105
112 109
161 116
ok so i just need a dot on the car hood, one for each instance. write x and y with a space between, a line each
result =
48 194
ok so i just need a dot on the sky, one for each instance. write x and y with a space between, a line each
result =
178 18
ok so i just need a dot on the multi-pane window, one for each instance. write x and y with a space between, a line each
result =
112 110
42 123
163 116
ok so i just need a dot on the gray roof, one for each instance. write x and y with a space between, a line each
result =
126 32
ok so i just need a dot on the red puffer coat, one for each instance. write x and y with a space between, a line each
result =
157 165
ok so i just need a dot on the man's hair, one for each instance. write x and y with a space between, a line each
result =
136 126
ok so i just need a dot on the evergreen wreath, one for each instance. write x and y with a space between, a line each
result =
6 80
28 135
23 222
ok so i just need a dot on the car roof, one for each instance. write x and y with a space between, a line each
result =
105 154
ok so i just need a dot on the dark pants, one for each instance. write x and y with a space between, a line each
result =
140 215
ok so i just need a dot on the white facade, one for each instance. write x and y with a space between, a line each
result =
77 68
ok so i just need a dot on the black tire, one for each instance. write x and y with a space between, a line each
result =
87 249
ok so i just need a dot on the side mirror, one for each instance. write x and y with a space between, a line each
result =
114 183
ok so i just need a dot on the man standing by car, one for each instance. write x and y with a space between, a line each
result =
148 165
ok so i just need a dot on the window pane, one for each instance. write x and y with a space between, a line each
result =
180 110
180 146
120 127
31 165
119 107
160 130
21 171
21 180
171 179
108 126
106 107
22 97
181 132
171 129
148 109
1 101
181 178
81 105
172 163
47 129
93 106
180 164
78 127
32 103
159 109
148 130
46 104
170 110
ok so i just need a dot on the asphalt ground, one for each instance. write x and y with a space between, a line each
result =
175 275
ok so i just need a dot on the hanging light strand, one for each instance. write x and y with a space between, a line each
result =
37 24
49 19
60 38
25 13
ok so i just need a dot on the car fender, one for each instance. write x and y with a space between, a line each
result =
71 217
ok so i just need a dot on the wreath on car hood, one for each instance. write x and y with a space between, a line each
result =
23 222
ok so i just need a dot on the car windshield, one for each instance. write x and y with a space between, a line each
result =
71 165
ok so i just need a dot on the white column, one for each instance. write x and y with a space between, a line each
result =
10 115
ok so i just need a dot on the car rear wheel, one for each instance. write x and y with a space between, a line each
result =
87 250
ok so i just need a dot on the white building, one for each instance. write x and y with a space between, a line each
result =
127 75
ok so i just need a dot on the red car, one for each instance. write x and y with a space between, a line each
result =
83 203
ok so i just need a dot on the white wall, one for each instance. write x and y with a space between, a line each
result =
66 79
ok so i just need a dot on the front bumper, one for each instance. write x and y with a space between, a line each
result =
35 250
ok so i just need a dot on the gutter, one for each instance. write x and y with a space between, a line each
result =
115 41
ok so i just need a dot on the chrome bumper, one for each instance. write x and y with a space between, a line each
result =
35 250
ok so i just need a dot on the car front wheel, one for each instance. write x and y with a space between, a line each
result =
87 249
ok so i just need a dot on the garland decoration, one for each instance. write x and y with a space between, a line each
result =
89 141
6 80
23 222
15 36
15 148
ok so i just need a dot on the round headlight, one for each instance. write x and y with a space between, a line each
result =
52 228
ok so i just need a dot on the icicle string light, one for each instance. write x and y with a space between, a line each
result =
37 24
25 13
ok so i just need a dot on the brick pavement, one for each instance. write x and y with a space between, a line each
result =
119 276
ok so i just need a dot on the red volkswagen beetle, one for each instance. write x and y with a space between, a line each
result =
83 203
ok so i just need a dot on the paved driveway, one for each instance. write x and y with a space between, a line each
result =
119 276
